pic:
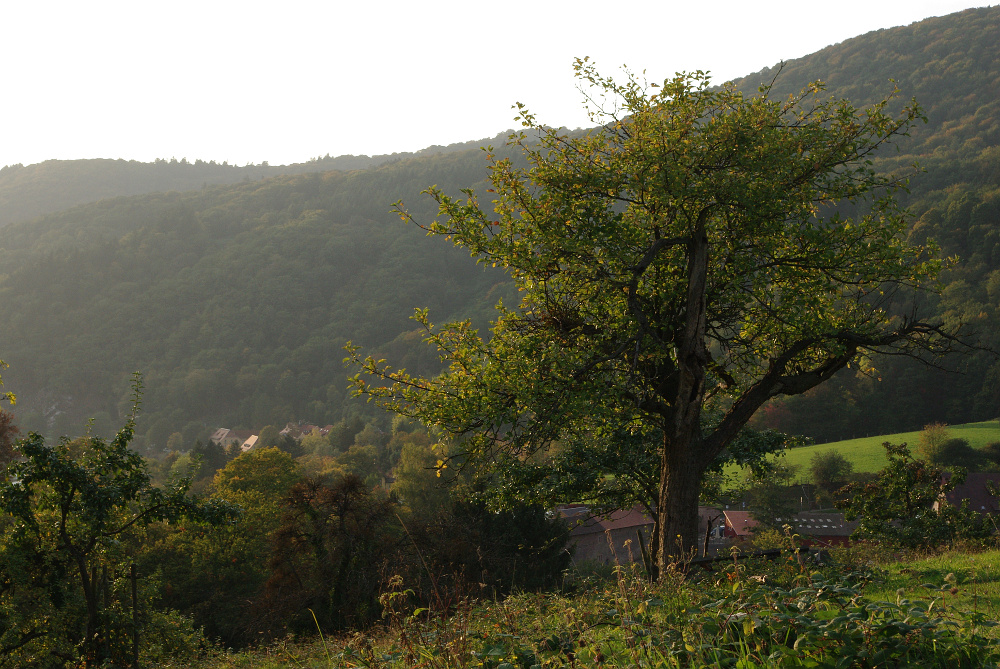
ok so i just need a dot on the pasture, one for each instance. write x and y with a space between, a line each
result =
867 453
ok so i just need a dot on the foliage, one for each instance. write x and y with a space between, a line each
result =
8 436
73 516
29 191
956 452
417 484
905 506
830 469
932 438
300 263
812 621
216 574
684 256
329 557
767 496
469 549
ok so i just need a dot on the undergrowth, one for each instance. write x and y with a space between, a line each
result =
744 614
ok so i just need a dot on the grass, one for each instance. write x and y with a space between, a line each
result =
867 453
761 614
968 581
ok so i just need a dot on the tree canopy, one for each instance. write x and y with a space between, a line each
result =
691 253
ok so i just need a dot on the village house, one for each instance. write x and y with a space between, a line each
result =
225 437
299 430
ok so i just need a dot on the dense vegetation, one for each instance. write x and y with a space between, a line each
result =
234 290
952 67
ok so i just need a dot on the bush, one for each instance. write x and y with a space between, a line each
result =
958 453
830 469
812 622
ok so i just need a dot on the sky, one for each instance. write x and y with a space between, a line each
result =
284 82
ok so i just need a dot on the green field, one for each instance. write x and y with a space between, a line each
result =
867 453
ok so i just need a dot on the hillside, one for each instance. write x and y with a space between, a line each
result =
866 454
234 301
234 289
949 64
27 192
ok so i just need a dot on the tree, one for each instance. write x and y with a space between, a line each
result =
767 496
687 254
905 505
417 483
70 514
327 556
269 436
616 470
211 457
932 438
216 575
8 435
956 452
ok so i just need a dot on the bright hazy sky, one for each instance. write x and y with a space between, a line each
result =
284 81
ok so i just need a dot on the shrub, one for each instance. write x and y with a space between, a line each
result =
830 469
904 505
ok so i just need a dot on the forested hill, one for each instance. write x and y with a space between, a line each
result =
33 190
235 300
950 64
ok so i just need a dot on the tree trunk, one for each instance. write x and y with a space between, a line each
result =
682 459
680 485
88 580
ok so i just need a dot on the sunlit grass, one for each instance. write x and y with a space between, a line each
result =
968 581
867 453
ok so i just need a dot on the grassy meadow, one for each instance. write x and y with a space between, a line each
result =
867 453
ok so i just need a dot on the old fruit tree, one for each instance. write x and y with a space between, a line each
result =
696 254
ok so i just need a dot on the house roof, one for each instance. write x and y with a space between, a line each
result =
813 523
974 489
220 434
740 522
249 443
582 522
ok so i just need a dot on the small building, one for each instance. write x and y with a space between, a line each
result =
609 538
222 436
227 438
249 443
299 430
